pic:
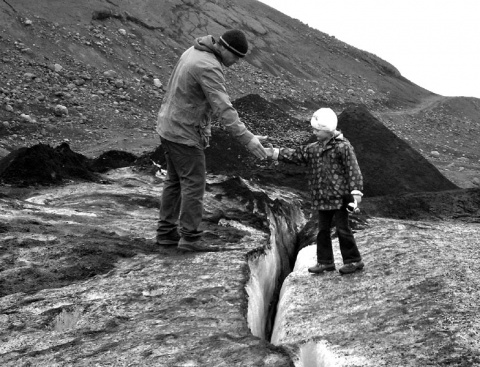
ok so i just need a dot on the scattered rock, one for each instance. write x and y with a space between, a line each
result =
110 73
3 152
119 83
29 76
60 110
27 118
157 83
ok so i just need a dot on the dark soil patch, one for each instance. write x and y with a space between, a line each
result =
445 205
44 165
61 264
266 118
389 165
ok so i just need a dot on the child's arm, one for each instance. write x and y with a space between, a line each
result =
296 156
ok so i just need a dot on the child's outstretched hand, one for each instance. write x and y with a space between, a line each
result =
269 149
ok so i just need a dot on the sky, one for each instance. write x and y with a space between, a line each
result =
433 43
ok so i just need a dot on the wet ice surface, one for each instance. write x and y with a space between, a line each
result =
85 250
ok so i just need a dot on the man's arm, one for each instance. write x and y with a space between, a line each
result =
212 82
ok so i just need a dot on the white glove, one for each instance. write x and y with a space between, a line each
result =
352 207
357 194
350 204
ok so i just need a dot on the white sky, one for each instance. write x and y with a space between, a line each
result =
433 43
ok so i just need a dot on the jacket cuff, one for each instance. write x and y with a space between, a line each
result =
245 137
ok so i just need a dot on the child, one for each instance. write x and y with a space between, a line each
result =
335 183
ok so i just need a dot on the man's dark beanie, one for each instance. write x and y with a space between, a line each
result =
235 41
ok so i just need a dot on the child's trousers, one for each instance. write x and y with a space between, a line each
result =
348 246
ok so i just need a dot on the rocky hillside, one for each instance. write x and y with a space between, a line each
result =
148 36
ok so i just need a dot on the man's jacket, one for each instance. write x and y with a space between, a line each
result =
196 92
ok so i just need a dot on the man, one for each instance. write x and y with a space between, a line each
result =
196 92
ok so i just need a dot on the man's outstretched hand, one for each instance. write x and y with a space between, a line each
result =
256 148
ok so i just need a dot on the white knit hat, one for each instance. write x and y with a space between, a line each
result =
324 119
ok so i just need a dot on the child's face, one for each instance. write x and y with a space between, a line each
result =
322 135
